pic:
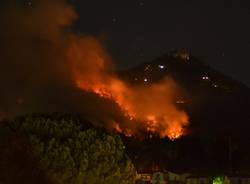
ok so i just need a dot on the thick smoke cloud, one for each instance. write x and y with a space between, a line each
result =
35 72
47 68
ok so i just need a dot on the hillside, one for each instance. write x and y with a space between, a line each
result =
218 109
215 103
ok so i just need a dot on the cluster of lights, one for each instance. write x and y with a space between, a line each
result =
205 78
145 79
148 68
160 66
208 79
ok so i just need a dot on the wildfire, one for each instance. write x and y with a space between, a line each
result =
175 132
69 61
148 107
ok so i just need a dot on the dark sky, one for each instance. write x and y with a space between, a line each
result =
136 31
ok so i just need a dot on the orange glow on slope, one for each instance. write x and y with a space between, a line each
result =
151 107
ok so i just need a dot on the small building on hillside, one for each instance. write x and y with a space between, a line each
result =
160 177
143 178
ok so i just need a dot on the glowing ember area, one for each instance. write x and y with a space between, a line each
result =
148 107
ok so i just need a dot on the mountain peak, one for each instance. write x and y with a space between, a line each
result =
188 71
208 95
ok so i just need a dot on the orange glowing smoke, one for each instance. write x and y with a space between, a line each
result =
151 106
48 51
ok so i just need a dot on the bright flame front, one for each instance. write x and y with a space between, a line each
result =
151 107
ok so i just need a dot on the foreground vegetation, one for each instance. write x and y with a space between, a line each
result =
61 149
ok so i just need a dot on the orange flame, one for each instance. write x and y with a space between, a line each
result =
150 106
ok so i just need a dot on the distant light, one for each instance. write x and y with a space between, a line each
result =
180 102
145 80
161 66
136 79
147 67
183 55
29 3
205 78
141 4
20 101
114 19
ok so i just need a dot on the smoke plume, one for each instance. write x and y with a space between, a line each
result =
45 67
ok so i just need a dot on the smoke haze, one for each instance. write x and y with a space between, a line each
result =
47 68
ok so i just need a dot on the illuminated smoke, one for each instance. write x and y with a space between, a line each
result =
45 68
150 107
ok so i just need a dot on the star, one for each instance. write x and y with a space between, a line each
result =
141 54
114 20
29 3
141 3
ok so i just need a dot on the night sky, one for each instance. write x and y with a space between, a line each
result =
217 32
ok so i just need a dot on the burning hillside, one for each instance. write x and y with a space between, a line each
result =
49 60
